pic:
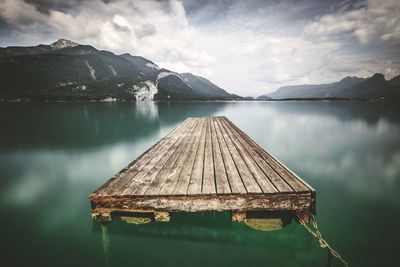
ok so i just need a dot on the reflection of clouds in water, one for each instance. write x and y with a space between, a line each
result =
32 186
36 174
364 157
64 179
392 171
46 168
147 109
331 149
358 155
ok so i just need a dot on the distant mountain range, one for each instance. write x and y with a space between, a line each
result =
65 70
373 88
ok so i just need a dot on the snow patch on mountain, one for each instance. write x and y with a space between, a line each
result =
113 71
145 91
91 69
151 65
166 74
63 43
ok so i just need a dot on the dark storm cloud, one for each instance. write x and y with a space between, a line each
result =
121 28
45 5
145 30
211 10
374 25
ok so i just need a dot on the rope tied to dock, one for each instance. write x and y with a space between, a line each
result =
314 230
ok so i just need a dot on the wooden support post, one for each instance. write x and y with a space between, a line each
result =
161 216
105 238
238 216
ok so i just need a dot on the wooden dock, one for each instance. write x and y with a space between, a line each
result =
205 164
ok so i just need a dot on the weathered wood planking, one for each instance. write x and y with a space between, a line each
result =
205 164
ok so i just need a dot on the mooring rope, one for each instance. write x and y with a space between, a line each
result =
322 242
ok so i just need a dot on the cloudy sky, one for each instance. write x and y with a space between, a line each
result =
247 47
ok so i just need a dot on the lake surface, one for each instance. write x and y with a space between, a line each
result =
53 155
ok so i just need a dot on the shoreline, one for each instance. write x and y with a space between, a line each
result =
115 100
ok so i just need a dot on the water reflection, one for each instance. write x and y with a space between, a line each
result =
200 226
52 155
210 233
147 109
105 238
83 125
346 142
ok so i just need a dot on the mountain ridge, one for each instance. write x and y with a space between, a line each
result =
65 70
350 87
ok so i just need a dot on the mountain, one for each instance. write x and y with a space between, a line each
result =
314 90
263 98
35 50
68 73
63 43
375 87
65 70
207 89
146 66
172 86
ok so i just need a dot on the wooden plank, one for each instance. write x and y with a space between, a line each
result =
207 164
235 181
172 178
155 177
294 183
154 164
196 177
261 179
208 186
184 178
247 177
269 177
194 203
278 182
123 177
221 178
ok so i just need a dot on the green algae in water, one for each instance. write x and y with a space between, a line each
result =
266 225
135 220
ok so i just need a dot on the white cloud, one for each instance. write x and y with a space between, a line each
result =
122 22
178 12
157 30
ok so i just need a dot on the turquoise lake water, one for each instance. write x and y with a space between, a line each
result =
53 155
